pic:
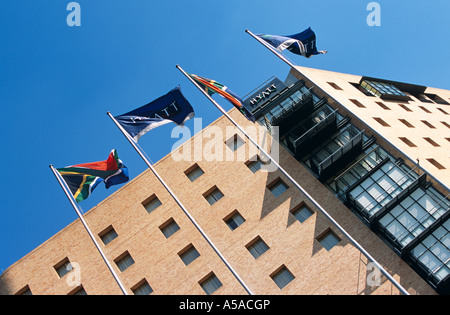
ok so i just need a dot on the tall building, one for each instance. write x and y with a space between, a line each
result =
373 153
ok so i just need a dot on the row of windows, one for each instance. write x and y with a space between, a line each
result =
404 121
381 89
408 124
398 204
413 145
257 247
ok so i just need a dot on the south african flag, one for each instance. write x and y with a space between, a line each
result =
211 87
83 178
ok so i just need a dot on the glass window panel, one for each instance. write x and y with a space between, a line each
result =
235 221
64 268
366 201
417 211
417 194
109 236
386 184
302 214
278 188
125 262
419 250
152 204
283 277
257 248
368 182
443 272
211 284
329 240
189 255
195 173
255 166
170 229
214 196
440 233
429 241
397 211
376 192
407 202
387 219
406 220
143 289
429 260
440 252
428 203
397 229
446 240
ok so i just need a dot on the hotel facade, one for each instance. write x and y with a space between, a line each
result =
373 153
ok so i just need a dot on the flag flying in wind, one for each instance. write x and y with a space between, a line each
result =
303 43
172 107
211 87
83 178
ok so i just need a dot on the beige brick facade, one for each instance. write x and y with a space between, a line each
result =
294 245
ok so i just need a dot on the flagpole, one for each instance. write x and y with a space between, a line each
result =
309 197
180 204
280 55
83 221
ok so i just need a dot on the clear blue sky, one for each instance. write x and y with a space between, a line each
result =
58 82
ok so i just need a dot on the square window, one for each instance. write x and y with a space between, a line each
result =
257 247
108 235
213 195
443 111
428 124
329 240
194 172
142 288
432 142
425 109
254 166
383 106
124 261
302 213
78 291
151 203
436 164
408 142
63 267
169 228
25 291
405 107
406 123
335 86
234 220
381 122
278 188
189 254
210 284
357 103
282 277
235 143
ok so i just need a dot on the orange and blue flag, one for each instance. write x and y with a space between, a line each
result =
211 87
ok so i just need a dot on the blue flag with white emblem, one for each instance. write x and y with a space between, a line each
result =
172 107
303 43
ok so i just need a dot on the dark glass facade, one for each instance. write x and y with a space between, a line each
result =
396 201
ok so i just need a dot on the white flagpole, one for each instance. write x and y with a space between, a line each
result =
180 204
83 221
276 52
311 199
